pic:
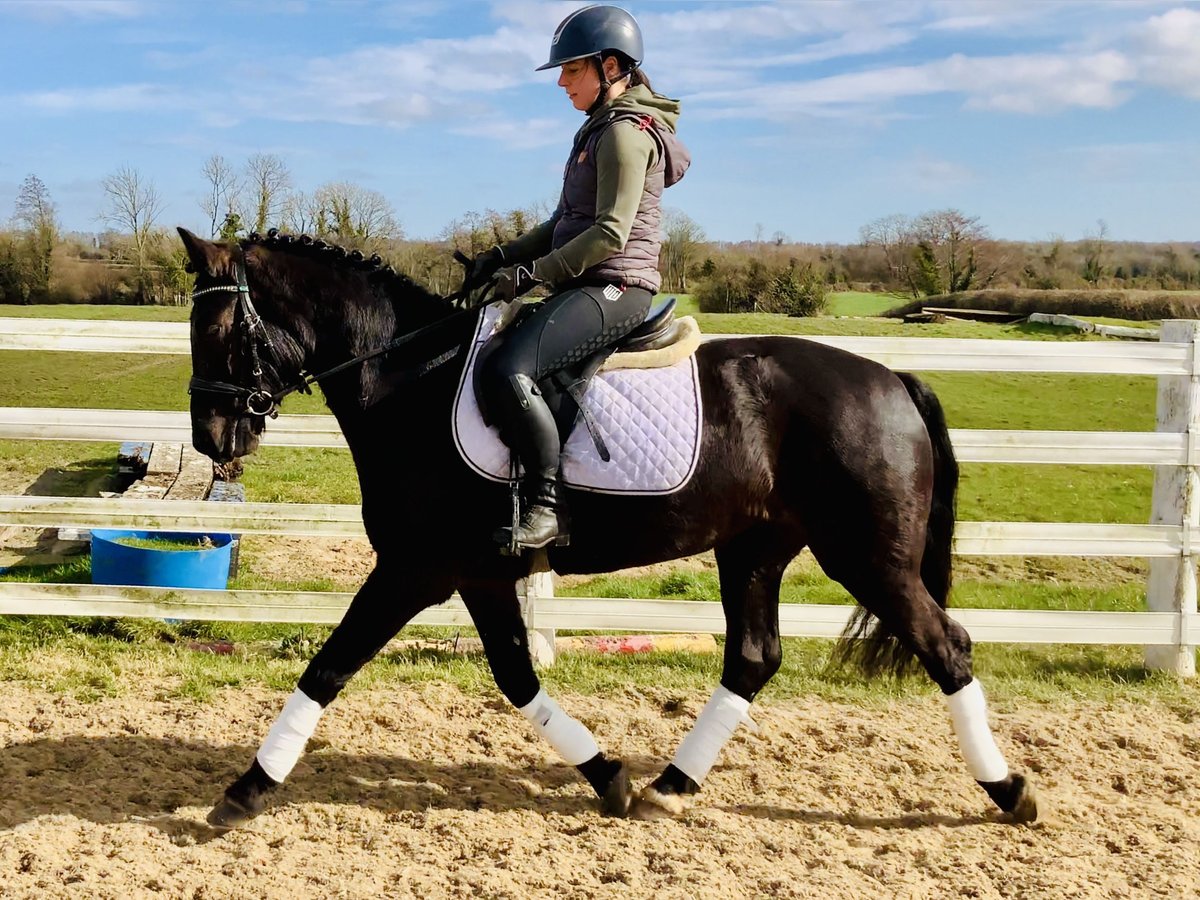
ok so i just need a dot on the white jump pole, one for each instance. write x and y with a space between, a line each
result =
1172 583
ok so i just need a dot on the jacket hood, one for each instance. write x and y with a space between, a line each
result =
641 101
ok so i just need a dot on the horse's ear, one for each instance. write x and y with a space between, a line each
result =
203 256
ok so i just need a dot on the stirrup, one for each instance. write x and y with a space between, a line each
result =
507 536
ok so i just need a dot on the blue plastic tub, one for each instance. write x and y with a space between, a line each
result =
114 563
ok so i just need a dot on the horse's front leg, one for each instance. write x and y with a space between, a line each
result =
751 568
382 606
496 610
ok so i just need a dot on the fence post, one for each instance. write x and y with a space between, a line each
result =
1172 583
538 585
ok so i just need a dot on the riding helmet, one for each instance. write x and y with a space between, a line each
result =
591 31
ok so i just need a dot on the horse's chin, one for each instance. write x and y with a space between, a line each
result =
213 440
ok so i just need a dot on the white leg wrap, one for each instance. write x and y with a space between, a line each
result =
713 729
968 712
568 736
286 739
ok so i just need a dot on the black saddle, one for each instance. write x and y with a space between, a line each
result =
564 390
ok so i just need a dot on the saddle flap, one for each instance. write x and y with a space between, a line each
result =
657 323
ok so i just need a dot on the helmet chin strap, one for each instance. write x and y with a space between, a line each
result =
605 84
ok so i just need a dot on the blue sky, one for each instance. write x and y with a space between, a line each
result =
809 118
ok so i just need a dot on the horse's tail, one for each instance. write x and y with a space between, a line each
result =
936 564
879 651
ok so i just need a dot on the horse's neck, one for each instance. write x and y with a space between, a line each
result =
344 394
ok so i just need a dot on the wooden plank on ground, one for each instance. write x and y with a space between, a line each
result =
195 476
165 459
152 487
974 315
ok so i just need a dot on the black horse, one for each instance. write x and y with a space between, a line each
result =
802 445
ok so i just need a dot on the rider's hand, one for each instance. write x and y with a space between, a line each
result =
515 281
483 267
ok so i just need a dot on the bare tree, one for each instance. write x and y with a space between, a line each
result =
894 235
355 216
268 184
133 206
681 245
300 212
1095 253
954 242
35 214
221 192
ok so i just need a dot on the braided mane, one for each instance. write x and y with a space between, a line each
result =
341 258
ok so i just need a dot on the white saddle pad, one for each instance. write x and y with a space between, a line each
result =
649 418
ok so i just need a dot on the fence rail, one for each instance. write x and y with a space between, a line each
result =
970 445
795 619
917 354
345 521
1169 630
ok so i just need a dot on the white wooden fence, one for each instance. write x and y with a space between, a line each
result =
1169 629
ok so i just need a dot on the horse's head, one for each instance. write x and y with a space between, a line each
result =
239 360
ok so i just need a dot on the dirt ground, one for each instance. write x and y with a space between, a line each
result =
429 792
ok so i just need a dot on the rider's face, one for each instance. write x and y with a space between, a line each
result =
581 82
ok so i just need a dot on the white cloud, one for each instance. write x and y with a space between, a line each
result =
121 98
1020 83
518 134
1107 163
57 10
930 174
1167 49
987 15
727 61
1040 83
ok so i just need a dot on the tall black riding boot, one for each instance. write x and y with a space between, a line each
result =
528 427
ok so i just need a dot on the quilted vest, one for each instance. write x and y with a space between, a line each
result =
637 264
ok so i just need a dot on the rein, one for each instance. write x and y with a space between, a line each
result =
261 402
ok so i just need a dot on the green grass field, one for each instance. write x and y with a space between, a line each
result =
859 303
105 652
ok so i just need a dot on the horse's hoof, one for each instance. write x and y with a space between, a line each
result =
652 804
229 814
1026 807
618 796
1015 796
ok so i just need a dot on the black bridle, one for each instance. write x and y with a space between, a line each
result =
259 400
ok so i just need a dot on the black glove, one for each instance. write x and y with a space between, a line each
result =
514 281
483 267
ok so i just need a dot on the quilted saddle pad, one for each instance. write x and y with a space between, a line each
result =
649 418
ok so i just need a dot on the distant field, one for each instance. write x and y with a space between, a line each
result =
97 311
859 303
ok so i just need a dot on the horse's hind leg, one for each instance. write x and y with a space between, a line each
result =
911 624
751 568
382 606
496 611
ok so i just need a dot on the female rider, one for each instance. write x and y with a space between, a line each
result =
598 251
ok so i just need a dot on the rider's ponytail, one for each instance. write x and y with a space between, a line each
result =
637 76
